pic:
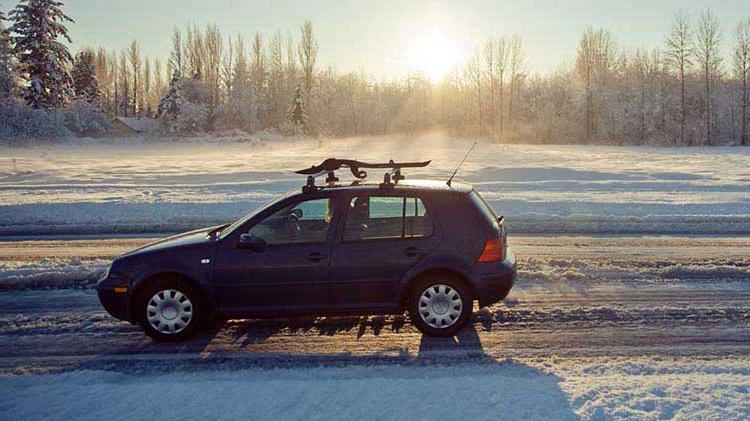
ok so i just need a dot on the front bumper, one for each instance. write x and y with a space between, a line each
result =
496 279
114 294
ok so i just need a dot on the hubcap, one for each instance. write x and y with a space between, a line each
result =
440 306
169 311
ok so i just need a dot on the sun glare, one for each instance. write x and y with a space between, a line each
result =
434 54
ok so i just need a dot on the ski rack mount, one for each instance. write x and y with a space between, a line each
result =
330 165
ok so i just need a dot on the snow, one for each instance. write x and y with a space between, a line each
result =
51 273
596 328
668 313
534 389
139 124
138 185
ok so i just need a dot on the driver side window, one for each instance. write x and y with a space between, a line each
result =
302 222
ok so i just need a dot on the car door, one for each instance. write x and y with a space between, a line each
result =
382 238
284 265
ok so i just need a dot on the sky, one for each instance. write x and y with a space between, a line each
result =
389 39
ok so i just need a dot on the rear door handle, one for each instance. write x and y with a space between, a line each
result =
315 257
413 251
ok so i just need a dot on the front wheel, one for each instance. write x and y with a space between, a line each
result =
170 311
440 305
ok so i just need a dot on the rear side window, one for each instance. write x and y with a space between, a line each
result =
380 217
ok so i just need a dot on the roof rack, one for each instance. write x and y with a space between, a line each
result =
331 165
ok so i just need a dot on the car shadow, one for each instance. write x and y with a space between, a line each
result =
466 342
249 332
476 383
375 324
515 390
246 333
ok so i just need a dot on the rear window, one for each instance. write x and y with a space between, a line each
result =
484 208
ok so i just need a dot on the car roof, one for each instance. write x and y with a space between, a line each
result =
403 185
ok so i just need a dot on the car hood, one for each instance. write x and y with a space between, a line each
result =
198 236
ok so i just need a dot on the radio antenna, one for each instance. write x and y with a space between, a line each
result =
450 180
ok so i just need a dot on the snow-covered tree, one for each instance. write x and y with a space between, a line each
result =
172 103
707 39
742 72
596 57
134 61
7 72
44 61
123 84
21 122
85 118
297 112
241 107
257 69
679 57
85 83
308 54
176 115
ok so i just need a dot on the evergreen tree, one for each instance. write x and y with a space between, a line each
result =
297 112
172 104
7 74
85 83
37 24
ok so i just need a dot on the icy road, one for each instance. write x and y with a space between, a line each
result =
649 327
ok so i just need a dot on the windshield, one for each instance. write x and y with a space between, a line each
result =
247 217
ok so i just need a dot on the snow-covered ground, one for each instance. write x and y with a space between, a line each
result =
598 326
136 185
645 327
540 389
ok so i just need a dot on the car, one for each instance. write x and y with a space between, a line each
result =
426 247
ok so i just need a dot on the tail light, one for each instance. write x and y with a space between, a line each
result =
494 250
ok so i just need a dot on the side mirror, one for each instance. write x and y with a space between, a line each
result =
297 213
251 242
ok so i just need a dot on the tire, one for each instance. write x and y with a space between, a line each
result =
440 305
170 310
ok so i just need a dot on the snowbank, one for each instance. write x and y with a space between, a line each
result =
51 273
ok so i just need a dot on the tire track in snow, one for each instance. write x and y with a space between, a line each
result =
577 296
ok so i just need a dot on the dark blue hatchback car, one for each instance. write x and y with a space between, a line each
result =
425 247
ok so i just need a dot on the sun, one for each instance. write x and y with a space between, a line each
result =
433 53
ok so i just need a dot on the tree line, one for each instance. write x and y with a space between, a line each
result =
681 93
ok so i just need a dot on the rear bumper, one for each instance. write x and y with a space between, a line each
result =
496 279
115 302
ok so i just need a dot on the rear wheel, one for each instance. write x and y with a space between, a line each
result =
440 305
170 310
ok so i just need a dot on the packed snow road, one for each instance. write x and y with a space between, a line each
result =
597 327
577 296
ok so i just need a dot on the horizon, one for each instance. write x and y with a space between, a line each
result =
393 40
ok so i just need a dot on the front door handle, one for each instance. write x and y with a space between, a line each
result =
413 251
315 257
